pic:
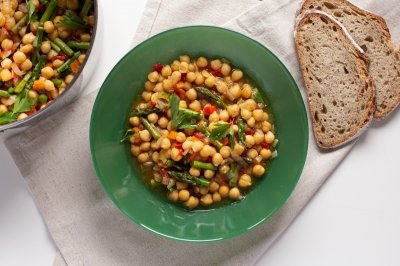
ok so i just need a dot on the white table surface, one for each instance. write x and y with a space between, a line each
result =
353 220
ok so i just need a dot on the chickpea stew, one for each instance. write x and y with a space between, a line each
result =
43 44
202 132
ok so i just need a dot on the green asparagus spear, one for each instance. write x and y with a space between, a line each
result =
64 47
241 133
215 142
85 8
211 95
185 177
203 165
78 45
37 43
233 175
36 72
4 94
22 83
20 24
51 7
66 64
54 46
151 128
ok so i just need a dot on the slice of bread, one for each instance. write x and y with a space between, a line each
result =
335 71
372 35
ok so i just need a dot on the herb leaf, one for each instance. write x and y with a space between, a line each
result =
22 104
31 9
241 133
7 118
70 20
257 97
219 131
127 135
181 117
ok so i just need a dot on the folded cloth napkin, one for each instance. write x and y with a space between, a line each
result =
88 229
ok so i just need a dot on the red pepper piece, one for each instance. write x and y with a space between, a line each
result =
158 67
265 145
62 57
199 135
250 131
183 77
217 72
209 109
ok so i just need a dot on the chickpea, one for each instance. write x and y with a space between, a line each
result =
187 145
258 170
217 159
47 72
173 195
163 122
6 63
182 104
191 76
249 139
206 151
175 65
57 63
214 186
236 75
265 153
165 143
245 114
225 152
244 181
221 87
48 26
5 75
68 79
183 67
224 116
26 65
210 82
72 4
166 71
233 110
224 169
153 117
209 174
251 122
143 157
214 117
85 37
269 137
145 146
153 76
258 115
145 135
192 202
134 121
165 154
201 62
216 64
223 191
3 109
10 23
194 171
22 116
206 200
234 91
266 126
197 145
246 91
258 137
191 94
176 154
195 106
199 79
27 39
155 145
203 190
216 197
167 84
225 69
252 153
155 156
184 195
6 44
181 137
176 77
239 149
181 185
19 57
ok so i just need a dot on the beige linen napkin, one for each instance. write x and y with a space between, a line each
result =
54 156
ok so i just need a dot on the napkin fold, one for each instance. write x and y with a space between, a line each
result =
87 228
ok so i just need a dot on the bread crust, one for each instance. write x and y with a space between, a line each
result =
380 113
363 63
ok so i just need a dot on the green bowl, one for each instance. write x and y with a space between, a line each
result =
118 172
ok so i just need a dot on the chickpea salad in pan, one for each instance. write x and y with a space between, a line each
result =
43 44
202 133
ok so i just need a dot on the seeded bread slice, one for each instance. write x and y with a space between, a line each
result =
335 71
372 35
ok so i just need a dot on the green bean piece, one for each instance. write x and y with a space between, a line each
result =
185 177
85 8
232 137
203 165
64 47
37 43
22 83
55 47
36 71
233 175
20 24
78 45
151 128
43 98
51 7
66 64
4 94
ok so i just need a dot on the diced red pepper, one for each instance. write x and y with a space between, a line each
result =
209 109
178 89
217 72
183 77
154 104
250 131
265 145
164 172
61 57
158 67
199 135
31 112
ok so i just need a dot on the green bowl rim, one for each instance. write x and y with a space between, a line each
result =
236 233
